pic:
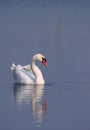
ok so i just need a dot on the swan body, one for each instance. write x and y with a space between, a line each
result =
29 74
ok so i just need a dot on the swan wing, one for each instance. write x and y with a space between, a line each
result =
21 75
27 67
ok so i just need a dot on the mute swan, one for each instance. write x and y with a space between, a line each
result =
29 74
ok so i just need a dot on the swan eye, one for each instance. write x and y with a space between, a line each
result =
44 59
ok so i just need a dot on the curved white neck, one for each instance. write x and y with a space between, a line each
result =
34 68
37 72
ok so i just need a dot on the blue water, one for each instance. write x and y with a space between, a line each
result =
61 31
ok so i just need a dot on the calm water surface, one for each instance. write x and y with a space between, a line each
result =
54 106
61 31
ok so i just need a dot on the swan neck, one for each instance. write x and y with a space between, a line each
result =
37 72
33 67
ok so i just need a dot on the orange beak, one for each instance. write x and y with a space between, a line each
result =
45 63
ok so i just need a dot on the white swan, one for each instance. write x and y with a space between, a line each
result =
29 74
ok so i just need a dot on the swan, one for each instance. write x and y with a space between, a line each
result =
29 74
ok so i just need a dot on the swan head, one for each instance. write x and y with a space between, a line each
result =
41 58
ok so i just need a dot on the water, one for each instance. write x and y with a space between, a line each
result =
60 30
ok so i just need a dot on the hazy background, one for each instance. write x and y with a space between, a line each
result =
60 29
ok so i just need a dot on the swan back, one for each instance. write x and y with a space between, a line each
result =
22 76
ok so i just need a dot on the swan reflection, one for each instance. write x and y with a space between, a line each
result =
31 95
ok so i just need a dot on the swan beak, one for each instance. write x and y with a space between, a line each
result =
44 62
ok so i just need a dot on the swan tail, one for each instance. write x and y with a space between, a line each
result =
13 70
12 67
